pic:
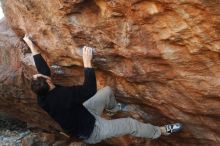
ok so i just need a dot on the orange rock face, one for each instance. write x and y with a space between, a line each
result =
162 56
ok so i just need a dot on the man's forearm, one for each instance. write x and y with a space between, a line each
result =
34 49
40 63
31 45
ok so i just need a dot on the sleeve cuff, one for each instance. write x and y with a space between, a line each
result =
36 55
88 68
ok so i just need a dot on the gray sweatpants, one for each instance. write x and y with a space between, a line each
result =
105 99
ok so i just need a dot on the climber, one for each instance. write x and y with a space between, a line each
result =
78 109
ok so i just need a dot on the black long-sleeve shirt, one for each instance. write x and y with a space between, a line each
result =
64 104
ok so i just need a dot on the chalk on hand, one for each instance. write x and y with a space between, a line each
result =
79 51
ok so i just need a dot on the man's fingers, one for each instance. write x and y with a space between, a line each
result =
24 36
87 50
84 49
40 75
90 51
27 37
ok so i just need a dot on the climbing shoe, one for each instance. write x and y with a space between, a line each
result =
172 128
122 107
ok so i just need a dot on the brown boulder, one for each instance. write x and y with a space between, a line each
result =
162 56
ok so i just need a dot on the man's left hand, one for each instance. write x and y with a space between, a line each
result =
87 56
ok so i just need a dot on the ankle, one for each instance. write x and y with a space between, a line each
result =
163 130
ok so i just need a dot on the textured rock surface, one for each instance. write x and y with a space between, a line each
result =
161 55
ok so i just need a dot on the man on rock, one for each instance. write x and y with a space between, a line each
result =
78 109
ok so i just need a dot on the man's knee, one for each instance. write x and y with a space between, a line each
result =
107 90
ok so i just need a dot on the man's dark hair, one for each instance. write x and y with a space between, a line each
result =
40 86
